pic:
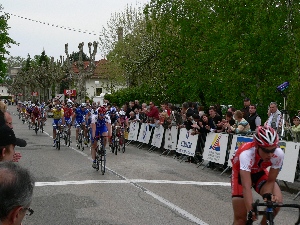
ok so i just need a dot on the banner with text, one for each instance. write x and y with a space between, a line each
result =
157 136
215 147
186 143
171 138
133 131
237 141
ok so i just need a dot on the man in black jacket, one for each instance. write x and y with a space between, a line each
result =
253 119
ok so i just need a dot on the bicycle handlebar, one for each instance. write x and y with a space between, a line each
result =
270 204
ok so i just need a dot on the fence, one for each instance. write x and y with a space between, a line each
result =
218 147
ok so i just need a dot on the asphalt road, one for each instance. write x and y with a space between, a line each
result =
138 188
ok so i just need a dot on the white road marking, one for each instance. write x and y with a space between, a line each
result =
128 181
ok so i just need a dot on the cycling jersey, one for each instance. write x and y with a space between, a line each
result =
58 114
100 124
36 112
68 112
247 158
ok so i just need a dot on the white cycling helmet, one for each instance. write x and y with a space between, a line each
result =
122 113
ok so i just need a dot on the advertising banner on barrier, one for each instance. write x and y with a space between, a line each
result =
186 143
291 151
171 138
237 141
142 133
147 134
157 136
133 131
215 147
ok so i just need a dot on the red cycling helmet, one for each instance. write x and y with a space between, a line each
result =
266 136
101 110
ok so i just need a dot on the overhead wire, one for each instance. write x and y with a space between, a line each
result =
54 25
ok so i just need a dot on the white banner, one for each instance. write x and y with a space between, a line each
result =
147 134
186 143
133 131
291 151
215 147
142 133
171 138
157 136
237 141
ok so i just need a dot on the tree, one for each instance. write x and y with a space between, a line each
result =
5 42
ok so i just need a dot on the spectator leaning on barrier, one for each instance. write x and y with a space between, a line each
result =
152 112
217 119
241 125
274 116
16 190
253 119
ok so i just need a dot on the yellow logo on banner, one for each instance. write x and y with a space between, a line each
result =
215 145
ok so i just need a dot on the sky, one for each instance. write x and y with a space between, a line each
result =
33 37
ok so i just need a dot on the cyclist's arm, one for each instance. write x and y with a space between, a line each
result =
269 185
247 192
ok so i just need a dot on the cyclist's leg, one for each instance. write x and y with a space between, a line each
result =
262 190
54 124
238 203
77 124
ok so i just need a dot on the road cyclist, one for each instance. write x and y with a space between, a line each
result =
58 114
80 116
36 117
114 118
249 169
99 130
67 122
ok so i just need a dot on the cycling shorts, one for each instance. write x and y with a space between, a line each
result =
100 130
79 121
258 180
36 115
68 121
56 122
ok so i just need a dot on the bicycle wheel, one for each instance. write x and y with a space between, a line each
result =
29 125
58 140
68 139
122 143
116 145
79 140
35 128
42 126
103 160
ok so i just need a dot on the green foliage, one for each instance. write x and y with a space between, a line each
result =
211 51
75 56
5 42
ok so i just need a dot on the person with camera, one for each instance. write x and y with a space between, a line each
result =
274 116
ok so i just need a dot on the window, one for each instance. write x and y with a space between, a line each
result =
98 91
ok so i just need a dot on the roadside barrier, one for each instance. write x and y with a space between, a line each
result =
217 148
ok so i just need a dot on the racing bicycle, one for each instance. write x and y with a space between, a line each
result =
269 210
100 154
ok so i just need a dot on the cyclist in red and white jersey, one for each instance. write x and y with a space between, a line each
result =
36 115
249 170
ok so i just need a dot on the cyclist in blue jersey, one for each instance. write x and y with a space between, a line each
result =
80 116
99 127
